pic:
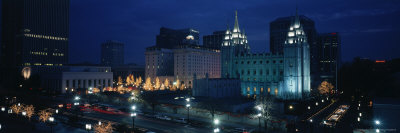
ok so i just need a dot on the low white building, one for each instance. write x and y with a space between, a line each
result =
77 77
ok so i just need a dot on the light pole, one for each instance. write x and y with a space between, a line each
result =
259 108
133 115
259 122
216 122
188 107
377 123
88 127
51 120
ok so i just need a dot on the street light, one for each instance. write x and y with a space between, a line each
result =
56 111
188 107
358 119
316 103
133 115
290 107
377 122
377 130
216 130
360 114
258 107
3 109
24 113
310 120
259 121
322 100
51 120
77 98
216 121
88 127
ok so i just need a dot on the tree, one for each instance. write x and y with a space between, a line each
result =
45 114
157 84
147 85
178 84
17 108
265 106
119 80
325 88
30 110
211 105
103 128
162 87
138 81
130 80
166 83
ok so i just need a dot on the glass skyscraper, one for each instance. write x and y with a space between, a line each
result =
35 33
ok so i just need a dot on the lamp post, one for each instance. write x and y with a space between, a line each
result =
88 127
188 107
311 125
133 115
51 120
76 100
377 123
259 122
216 122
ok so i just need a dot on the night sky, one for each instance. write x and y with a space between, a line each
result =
369 28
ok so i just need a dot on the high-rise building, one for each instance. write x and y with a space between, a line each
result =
278 33
112 53
214 41
182 63
170 38
195 60
330 57
159 62
35 33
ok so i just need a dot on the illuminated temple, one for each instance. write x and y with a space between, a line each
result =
286 75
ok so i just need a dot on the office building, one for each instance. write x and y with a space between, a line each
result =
214 41
330 57
35 32
170 38
195 60
112 53
181 63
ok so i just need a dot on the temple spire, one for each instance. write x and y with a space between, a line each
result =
236 26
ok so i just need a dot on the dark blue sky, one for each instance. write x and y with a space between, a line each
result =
369 28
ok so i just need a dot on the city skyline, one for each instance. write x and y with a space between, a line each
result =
199 66
132 24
